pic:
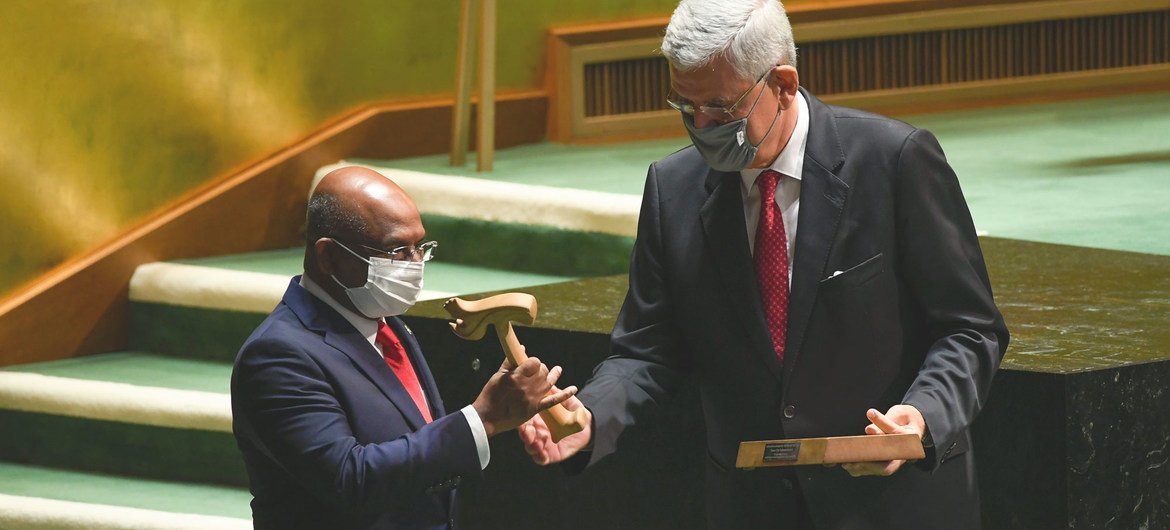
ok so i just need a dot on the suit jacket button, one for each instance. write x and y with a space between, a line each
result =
787 484
790 411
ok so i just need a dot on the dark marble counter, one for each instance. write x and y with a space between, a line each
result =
1074 433
1073 309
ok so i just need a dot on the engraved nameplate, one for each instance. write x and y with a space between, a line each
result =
782 452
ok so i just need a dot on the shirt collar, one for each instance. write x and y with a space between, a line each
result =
791 160
367 327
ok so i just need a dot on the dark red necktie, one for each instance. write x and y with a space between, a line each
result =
397 360
772 261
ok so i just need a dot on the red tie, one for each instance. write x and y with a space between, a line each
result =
396 358
772 261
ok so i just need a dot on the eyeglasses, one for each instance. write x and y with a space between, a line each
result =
717 113
421 252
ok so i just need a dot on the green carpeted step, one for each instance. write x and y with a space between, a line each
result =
206 308
255 282
478 256
127 413
191 332
139 368
442 275
108 490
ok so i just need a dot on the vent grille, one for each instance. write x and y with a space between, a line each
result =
979 54
628 86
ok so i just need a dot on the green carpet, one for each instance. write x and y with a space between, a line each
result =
118 491
1092 173
286 262
614 168
136 368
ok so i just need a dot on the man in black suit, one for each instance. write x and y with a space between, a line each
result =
334 409
817 270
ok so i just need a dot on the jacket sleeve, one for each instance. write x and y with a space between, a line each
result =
645 365
289 411
940 256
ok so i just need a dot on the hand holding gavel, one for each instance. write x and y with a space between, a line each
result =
471 322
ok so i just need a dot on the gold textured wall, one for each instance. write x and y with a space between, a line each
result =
109 109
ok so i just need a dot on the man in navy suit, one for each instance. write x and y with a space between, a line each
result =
337 415
816 270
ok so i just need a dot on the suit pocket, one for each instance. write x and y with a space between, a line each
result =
857 274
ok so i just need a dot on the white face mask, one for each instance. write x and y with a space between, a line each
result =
391 287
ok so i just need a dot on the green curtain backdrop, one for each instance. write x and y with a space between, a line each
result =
111 108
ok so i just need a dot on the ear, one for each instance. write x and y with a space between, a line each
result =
787 81
324 256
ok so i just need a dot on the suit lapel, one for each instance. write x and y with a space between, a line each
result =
339 334
726 237
822 200
367 359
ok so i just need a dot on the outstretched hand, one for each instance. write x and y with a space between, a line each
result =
538 440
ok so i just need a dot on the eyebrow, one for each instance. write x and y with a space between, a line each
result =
398 244
721 101
717 102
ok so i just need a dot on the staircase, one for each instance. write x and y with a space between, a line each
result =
142 438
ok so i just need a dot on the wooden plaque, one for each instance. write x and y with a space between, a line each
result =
832 450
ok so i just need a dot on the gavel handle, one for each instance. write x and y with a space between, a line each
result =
561 421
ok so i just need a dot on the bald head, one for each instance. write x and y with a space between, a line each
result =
349 201
363 210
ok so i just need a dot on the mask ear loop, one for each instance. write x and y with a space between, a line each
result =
774 118
356 255
347 249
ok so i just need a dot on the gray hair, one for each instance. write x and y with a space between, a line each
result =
752 35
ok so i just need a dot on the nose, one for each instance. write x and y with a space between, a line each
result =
702 120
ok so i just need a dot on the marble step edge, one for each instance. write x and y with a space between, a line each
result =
510 202
116 402
35 513
215 288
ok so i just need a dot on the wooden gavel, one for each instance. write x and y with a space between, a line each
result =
471 322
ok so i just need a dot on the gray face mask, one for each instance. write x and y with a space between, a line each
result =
726 147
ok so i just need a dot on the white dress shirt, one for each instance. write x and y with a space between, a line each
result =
790 165
368 328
